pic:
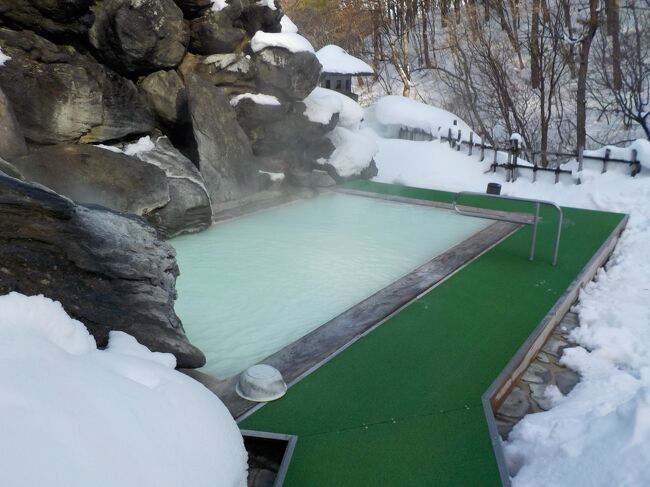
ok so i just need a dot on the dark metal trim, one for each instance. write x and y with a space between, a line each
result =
288 452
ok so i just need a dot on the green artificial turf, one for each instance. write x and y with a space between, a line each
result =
402 406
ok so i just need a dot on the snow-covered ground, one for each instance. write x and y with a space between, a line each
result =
599 434
77 416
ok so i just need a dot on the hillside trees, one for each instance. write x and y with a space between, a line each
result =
551 70
622 67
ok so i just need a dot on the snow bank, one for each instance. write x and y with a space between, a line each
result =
335 60
287 40
354 151
322 104
287 25
392 113
642 147
430 165
599 435
121 416
259 98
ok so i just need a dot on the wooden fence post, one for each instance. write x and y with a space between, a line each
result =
607 154
471 143
459 140
449 139
482 148
515 154
636 164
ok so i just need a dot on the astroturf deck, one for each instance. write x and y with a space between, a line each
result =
402 406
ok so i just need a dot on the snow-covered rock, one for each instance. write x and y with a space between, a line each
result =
120 416
3 58
257 98
108 269
336 60
322 104
353 155
290 41
287 25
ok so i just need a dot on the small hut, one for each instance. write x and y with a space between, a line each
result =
338 69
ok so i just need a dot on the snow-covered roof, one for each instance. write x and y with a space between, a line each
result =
335 60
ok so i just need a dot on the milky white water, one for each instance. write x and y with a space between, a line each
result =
250 286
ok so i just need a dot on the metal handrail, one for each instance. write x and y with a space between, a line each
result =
534 222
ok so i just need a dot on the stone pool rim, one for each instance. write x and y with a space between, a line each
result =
303 356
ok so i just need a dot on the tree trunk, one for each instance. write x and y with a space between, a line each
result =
613 30
581 93
534 46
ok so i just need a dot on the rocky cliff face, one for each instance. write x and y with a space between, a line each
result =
88 72
109 270
87 78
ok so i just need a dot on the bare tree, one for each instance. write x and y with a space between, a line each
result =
628 80
590 27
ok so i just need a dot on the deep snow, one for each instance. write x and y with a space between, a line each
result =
599 434
77 416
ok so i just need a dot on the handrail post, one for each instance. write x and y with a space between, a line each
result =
558 231
533 240
538 203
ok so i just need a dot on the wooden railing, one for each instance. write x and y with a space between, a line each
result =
514 154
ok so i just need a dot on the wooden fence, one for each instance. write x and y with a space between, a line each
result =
514 153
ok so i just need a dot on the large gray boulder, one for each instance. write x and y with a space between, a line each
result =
234 73
193 8
135 36
159 184
284 138
91 175
189 208
12 142
285 74
60 95
51 18
110 271
257 16
213 32
225 156
165 92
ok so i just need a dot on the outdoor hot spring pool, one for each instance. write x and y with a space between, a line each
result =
250 286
